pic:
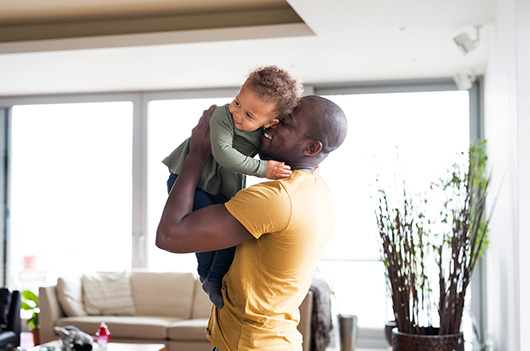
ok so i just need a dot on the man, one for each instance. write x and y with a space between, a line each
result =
280 227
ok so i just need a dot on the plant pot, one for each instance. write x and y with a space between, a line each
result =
36 336
388 331
429 342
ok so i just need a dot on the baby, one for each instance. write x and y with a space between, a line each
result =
268 94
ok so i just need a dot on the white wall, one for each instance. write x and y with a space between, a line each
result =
507 129
523 131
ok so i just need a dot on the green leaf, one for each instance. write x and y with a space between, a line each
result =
30 296
33 322
27 307
30 302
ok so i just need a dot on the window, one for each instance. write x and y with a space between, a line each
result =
70 191
169 123
415 135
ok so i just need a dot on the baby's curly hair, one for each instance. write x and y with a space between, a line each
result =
274 83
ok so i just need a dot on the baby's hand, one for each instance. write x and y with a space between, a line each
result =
277 170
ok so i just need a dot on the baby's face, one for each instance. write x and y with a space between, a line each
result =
250 112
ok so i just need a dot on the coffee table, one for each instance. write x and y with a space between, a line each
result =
112 346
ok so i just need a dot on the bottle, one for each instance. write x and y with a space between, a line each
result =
103 336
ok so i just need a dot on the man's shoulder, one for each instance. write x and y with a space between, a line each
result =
261 195
261 208
299 182
299 177
305 186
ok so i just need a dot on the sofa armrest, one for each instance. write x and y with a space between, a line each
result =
50 311
306 311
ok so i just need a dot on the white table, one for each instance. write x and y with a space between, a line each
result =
112 346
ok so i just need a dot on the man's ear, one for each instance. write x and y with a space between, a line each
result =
313 148
271 123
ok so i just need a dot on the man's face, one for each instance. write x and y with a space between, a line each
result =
285 140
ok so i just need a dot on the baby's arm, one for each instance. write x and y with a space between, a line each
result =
222 138
277 170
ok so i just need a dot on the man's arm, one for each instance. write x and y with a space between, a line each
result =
210 228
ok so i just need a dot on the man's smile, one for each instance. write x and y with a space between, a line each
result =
267 135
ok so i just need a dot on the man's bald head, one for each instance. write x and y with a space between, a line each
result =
328 122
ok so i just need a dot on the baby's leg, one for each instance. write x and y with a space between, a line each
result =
170 181
200 200
211 284
204 259
220 265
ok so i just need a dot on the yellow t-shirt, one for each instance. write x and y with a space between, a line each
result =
291 220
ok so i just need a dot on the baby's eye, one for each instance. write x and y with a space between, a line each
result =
237 103
249 116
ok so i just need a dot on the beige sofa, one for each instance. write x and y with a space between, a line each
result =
168 308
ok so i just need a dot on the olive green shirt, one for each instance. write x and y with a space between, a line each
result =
224 171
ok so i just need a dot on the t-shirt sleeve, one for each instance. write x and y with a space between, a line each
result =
264 208
222 138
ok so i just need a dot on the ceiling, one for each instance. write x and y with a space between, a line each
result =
65 46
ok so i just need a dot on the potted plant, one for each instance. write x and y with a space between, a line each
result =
430 245
30 302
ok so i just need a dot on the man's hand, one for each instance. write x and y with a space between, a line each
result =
200 144
277 170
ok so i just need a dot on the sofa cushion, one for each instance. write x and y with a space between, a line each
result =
108 293
163 293
123 327
70 296
191 329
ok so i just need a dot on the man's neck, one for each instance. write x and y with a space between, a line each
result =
307 168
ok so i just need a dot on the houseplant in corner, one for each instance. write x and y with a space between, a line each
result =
30 302
430 245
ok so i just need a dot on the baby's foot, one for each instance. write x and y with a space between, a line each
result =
213 289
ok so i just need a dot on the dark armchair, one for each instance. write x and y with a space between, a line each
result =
10 324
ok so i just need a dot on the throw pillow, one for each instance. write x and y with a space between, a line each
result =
70 296
108 293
